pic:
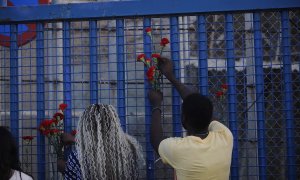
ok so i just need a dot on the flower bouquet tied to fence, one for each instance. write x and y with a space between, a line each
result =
26 165
53 129
151 63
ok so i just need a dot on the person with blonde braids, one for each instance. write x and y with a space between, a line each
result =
103 149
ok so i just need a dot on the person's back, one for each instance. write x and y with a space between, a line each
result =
206 151
103 149
196 158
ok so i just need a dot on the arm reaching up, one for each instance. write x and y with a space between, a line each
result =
156 98
166 68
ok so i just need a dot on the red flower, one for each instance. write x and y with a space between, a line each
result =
41 128
224 86
220 94
148 30
74 132
150 73
47 123
148 62
27 138
164 41
46 132
58 116
155 56
55 131
141 57
63 106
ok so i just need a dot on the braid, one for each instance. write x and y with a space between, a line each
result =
104 150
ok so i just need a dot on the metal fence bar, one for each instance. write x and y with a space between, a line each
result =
232 99
93 62
202 44
136 8
67 76
149 152
175 56
288 95
121 73
14 76
40 93
260 105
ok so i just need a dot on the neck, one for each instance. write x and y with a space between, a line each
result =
197 132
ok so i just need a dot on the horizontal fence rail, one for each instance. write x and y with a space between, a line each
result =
135 8
85 53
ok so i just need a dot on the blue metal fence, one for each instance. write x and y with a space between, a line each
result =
87 54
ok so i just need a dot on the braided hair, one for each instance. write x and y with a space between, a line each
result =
104 150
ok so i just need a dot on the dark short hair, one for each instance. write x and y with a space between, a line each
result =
9 158
197 110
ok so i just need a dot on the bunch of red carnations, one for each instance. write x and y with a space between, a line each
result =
153 73
53 129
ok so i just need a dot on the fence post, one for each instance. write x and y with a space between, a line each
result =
93 62
175 56
288 96
202 44
232 100
40 98
260 105
14 83
150 153
67 75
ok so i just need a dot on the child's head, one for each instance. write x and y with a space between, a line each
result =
197 112
9 158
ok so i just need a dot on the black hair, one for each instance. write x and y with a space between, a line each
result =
197 111
9 158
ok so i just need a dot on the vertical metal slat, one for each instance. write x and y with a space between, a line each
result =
150 153
203 67
175 56
232 99
93 62
40 99
288 95
121 73
67 85
14 75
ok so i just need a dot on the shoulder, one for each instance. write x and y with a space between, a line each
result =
217 126
168 144
72 170
171 141
170 150
166 150
20 175
25 176
221 130
73 158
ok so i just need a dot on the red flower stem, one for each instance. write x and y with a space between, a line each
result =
152 44
26 163
161 50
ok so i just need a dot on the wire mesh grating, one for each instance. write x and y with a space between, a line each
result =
94 61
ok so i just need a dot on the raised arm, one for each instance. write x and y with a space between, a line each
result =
166 67
156 98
